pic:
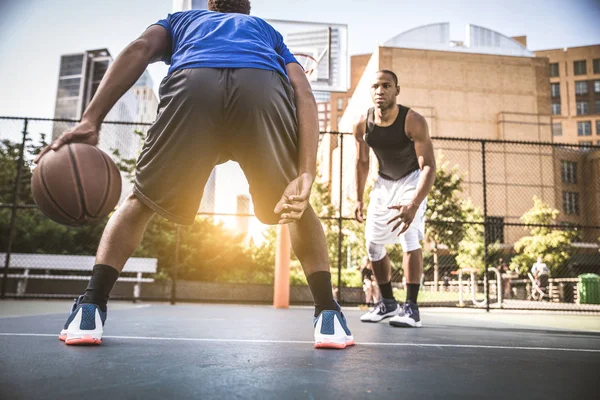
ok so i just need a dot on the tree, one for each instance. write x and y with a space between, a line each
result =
471 249
444 208
554 245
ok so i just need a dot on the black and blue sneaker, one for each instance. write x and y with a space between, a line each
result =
84 325
408 317
331 331
386 308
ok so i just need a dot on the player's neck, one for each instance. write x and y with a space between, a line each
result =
386 116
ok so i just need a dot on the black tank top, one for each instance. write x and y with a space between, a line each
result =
392 146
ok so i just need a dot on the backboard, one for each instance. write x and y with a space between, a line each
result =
326 43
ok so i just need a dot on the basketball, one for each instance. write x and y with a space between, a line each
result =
76 184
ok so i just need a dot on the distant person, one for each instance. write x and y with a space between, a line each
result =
233 91
399 137
506 276
541 273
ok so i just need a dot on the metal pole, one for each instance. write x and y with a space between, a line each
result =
485 229
339 260
13 214
176 266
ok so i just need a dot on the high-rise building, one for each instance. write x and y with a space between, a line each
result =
79 77
207 205
575 91
242 209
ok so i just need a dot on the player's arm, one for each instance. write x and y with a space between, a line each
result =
296 196
362 165
418 131
129 65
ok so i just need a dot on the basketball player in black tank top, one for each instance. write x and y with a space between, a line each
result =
400 139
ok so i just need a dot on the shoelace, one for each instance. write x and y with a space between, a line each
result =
407 310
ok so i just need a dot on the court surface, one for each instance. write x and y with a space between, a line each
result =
213 351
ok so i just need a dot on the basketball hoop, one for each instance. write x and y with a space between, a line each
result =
308 62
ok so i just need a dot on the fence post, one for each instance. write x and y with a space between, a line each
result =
176 266
485 229
340 237
13 213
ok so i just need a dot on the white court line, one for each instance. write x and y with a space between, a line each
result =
216 340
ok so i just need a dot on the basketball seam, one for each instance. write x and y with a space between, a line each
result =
108 188
47 191
79 185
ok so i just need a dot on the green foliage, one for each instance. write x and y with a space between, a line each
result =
207 252
445 207
471 249
553 245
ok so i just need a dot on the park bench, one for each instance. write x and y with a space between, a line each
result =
25 267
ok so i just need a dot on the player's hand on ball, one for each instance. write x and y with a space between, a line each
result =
295 199
406 214
358 211
84 132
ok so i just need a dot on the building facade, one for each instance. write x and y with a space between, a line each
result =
485 87
575 91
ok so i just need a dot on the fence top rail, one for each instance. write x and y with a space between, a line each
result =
61 262
455 139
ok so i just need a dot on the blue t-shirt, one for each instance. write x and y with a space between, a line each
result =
207 39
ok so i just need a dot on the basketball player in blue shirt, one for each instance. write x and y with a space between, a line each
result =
400 139
233 92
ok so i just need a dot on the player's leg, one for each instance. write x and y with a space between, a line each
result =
264 141
412 263
176 160
382 269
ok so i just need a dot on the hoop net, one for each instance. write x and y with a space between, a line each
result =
309 63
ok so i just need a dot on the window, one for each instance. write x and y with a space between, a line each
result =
571 203
598 127
68 87
597 107
596 86
596 63
340 104
585 144
556 129
554 69
580 67
581 87
555 89
582 108
495 229
569 171
555 108
584 128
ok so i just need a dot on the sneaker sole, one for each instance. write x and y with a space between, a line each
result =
84 340
379 320
333 345
399 324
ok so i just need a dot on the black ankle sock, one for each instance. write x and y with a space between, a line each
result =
386 290
320 286
412 291
102 281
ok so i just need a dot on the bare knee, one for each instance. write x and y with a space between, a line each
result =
132 206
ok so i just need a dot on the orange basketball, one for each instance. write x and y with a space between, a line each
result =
77 184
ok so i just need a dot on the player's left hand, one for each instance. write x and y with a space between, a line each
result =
406 214
295 199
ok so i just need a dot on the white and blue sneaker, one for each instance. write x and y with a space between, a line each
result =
84 325
408 317
331 331
384 309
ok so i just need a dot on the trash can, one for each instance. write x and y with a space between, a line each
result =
589 289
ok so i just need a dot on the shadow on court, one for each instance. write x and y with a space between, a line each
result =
204 351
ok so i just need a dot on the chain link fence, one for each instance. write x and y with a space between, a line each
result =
495 208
